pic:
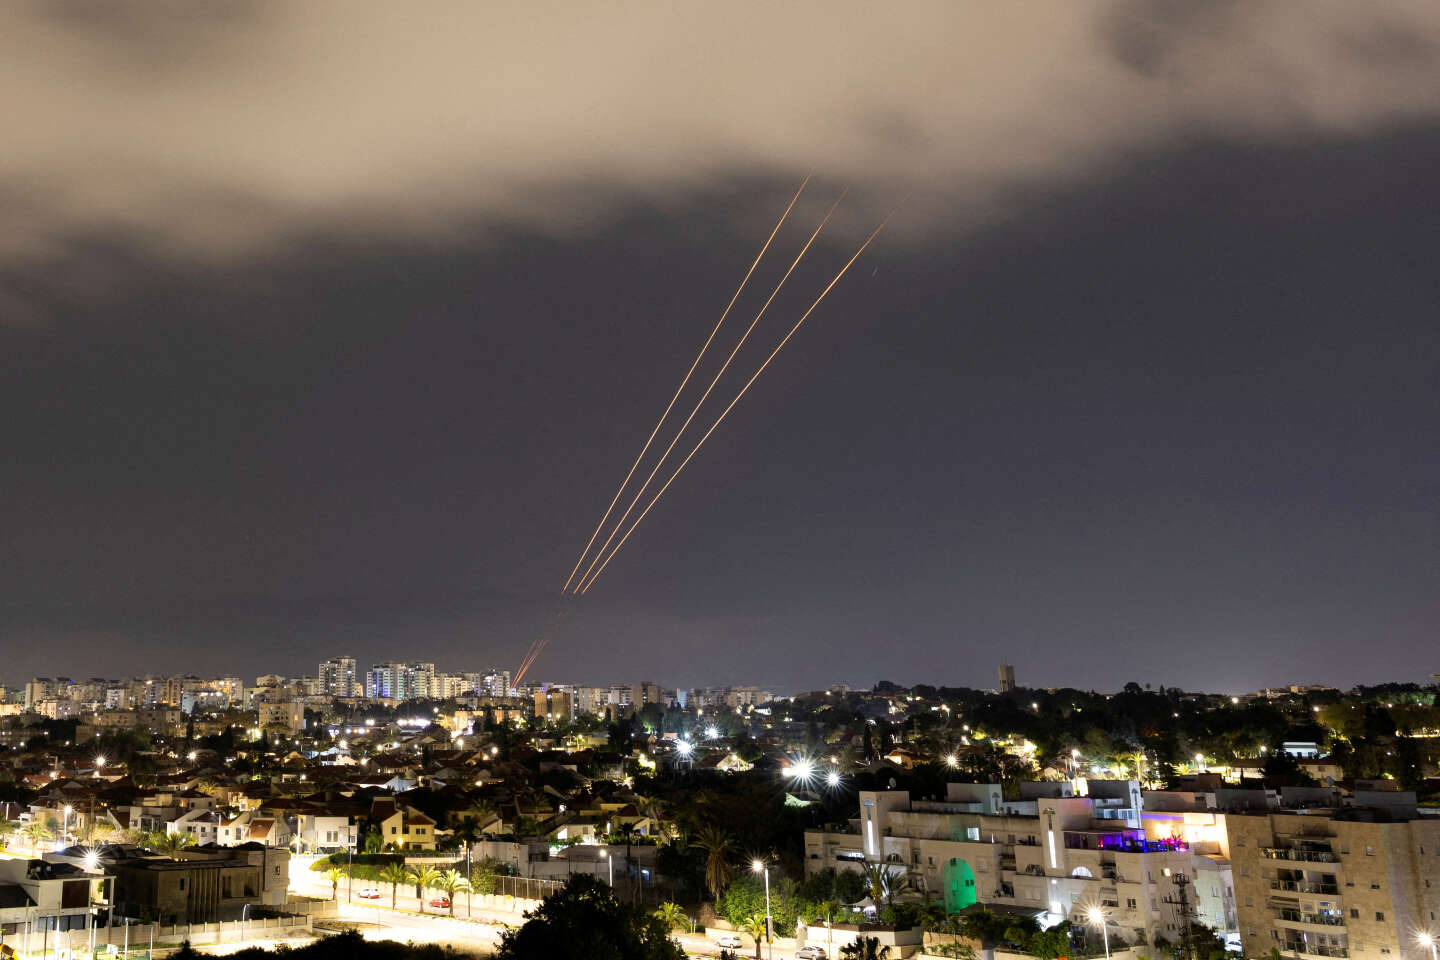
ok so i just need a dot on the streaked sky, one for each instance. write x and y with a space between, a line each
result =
325 330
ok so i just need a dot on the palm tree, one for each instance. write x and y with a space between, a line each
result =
333 874
754 925
718 844
394 874
883 881
673 916
865 948
423 878
168 844
451 882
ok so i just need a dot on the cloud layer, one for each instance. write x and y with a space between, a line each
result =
225 129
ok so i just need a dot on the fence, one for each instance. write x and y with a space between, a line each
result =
138 936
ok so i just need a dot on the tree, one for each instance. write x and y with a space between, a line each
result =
673 916
7 827
451 882
168 844
394 874
717 844
584 921
883 881
423 878
754 925
333 874
36 832
374 842
865 948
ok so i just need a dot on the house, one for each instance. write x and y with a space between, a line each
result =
31 890
402 826
254 827
200 825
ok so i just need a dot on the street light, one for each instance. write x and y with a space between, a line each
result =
759 866
65 829
1427 940
609 866
1096 916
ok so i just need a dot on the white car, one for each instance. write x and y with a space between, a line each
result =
729 941
368 893
810 953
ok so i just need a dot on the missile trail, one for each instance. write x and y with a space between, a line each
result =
587 584
704 396
684 380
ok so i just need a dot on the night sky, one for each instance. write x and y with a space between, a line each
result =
325 331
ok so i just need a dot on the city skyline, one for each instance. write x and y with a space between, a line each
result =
1138 384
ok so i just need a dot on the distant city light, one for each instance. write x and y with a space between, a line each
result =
832 779
712 732
684 748
951 760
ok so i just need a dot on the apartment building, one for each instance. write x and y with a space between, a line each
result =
1049 852
1357 881
337 677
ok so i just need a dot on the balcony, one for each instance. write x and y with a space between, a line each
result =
1303 856
1318 919
1304 886
1313 949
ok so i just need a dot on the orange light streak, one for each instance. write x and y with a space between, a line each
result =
686 379
587 584
704 396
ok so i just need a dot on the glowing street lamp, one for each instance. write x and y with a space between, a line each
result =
609 866
759 866
832 779
1096 916
712 732
684 748
1427 940
951 760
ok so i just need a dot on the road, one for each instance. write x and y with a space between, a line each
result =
473 925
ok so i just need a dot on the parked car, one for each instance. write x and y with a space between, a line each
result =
440 902
728 941
810 953
368 893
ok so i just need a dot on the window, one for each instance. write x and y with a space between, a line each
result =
1374 886
1130 903
1249 901
1369 850
182 883
1380 916
1349 883
1354 914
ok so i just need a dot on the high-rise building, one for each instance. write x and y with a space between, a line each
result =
401 681
494 683
1007 678
337 677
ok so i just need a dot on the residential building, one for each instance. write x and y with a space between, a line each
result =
401 826
337 677
1052 854
59 893
1007 678
556 703
284 715
1357 881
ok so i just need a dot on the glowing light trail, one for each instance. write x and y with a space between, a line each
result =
704 396
686 379
611 556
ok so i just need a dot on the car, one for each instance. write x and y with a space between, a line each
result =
728 941
810 953
368 893
440 902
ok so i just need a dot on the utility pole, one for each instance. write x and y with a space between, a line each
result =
1182 900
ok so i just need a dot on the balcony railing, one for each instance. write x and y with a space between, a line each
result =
1302 886
1314 949
1296 916
1304 856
